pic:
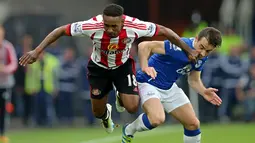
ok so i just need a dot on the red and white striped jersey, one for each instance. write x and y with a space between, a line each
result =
110 52
8 63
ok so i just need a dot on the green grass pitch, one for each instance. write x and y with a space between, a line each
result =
215 133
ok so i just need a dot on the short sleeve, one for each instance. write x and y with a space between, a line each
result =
200 64
144 29
83 28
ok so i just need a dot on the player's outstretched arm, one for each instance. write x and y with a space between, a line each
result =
209 94
33 55
176 40
196 83
144 51
52 37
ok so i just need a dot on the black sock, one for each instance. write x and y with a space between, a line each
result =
104 116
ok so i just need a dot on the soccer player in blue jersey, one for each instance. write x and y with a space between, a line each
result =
157 88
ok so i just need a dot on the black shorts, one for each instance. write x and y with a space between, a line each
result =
101 80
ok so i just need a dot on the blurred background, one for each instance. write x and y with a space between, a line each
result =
59 110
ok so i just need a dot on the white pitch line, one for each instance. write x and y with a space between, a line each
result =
111 139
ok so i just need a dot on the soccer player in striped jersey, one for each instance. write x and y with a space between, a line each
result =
112 34
157 88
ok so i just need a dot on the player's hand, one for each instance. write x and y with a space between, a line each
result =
150 71
29 58
193 56
211 96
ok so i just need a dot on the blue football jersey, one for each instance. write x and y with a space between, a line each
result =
170 66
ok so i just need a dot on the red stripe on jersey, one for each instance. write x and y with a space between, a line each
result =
136 27
105 41
89 26
133 19
133 22
8 61
68 30
157 30
122 46
92 28
138 24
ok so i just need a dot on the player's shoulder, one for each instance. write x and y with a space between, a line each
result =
133 23
97 19
93 24
130 19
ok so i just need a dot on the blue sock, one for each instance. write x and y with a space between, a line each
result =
142 123
192 136
146 122
191 133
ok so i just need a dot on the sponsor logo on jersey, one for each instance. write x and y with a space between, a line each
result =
198 64
112 52
185 70
113 47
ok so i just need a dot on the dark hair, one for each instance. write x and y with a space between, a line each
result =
113 10
213 36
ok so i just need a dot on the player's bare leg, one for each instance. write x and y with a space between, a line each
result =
154 116
102 110
187 117
130 102
119 105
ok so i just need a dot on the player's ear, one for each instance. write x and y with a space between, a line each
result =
122 21
196 38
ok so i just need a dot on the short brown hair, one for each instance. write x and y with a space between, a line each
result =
213 36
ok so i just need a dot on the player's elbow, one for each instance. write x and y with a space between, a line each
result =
143 45
62 30
162 30
190 81
193 80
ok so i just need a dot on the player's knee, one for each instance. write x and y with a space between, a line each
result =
132 108
131 104
157 119
193 124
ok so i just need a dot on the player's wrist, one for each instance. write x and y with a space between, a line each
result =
203 92
38 50
144 68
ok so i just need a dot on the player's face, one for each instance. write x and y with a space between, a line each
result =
203 47
113 25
